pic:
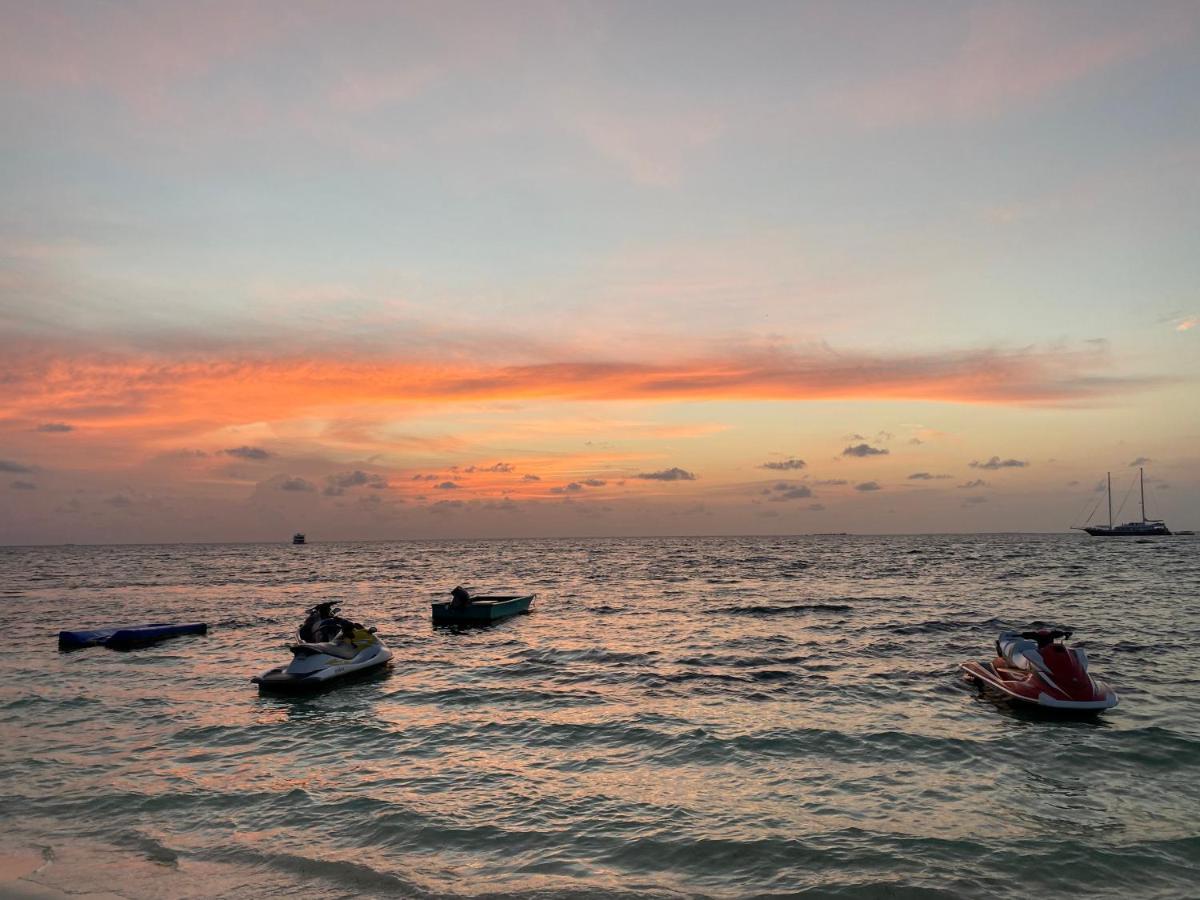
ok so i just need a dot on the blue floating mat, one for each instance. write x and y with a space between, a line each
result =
124 636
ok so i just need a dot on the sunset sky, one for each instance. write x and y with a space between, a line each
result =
381 270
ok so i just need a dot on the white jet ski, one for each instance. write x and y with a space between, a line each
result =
331 649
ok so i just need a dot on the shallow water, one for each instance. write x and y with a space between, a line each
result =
719 716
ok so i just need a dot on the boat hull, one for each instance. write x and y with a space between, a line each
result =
1026 688
282 681
481 610
1135 529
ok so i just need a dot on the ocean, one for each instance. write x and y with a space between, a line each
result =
680 717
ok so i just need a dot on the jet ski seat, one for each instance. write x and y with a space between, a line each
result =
340 649
1019 652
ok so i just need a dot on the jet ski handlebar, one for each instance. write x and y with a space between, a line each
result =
1045 636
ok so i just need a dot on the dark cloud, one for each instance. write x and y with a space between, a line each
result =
1140 461
7 465
868 486
446 506
23 486
54 428
446 486
573 488
977 483
673 474
426 477
926 476
915 441
864 450
997 463
495 467
336 485
254 453
296 484
120 501
832 482
531 477
785 464
791 492
595 482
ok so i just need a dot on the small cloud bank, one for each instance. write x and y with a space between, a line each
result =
861 450
672 474
529 476
336 485
8 465
869 486
927 476
54 428
296 484
23 486
997 463
977 483
784 492
785 464
1140 461
256 454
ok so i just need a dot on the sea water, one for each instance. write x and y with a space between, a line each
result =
676 717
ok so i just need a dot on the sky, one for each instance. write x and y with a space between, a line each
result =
405 270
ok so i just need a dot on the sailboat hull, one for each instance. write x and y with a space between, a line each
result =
1132 529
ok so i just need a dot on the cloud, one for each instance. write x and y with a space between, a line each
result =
120 501
595 482
868 486
926 476
495 467
426 477
572 488
831 482
446 486
336 485
783 465
861 450
54 428
1187 323
1140 461
973 500
296 484
997 463
673 474
817 507
529 476
252 453
786 492
977 483
23 486
7 465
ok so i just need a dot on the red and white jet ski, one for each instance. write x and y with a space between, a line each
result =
1037 667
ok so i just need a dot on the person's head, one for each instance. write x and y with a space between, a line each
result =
460 594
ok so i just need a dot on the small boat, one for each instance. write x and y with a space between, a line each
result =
123 637
467 610
298 538
1144 528
1036 667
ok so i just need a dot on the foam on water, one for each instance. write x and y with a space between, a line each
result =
721 717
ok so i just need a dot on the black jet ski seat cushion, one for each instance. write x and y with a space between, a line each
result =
340 649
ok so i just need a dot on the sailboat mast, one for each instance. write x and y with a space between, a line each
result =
1110 501
1142 482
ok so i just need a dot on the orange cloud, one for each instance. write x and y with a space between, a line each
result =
147 392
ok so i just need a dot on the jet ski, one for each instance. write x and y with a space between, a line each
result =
1038 667
330 649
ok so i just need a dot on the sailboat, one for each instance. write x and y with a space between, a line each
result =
1144 528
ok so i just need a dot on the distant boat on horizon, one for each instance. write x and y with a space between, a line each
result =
1144 528
298 538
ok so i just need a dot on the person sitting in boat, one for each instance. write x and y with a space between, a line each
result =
460 597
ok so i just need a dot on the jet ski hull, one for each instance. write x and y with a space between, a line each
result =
332 670
1026 687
